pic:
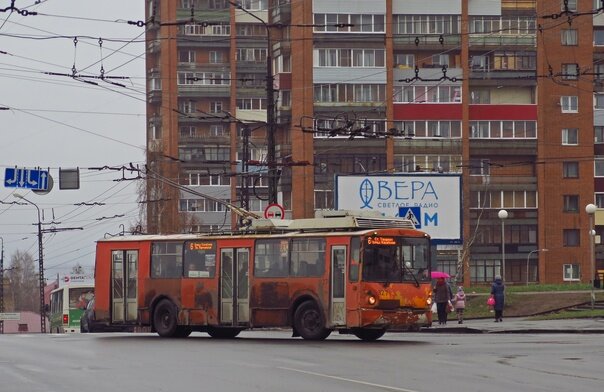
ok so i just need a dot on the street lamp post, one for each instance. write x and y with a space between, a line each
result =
270 109
591 210
40 263
527 261
502 214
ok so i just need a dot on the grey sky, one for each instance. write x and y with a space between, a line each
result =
56 121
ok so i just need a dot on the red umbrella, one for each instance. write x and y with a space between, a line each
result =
439 274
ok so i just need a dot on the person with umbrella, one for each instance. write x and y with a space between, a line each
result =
498 292
442 298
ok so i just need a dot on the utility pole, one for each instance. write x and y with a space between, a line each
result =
41 281
2 285
273 179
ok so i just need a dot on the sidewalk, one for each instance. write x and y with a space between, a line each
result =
519 325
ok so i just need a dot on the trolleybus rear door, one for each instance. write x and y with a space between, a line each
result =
234 286
124 275
338 285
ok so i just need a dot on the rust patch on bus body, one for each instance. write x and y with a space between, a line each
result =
269 303
270 295
203 298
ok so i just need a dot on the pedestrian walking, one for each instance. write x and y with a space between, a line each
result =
498 292
442 297
460 304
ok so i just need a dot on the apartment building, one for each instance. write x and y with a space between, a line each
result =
505 93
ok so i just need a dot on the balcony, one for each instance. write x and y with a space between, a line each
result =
486 77
201 91
282 12
426 42
490 40
217 15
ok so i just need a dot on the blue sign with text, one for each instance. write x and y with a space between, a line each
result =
34 179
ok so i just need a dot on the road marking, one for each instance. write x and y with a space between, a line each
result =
387 387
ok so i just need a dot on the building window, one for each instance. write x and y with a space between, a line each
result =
188 131
571 203
349 58
599 71
426 24
186 56
323 199
599 167
569 37
568 5
570 71
598 37
440 59
366 23
570 237
480 96
570 136
216 107
569 104
600 200
570 169
404 60
254 5
572 272
599 101
186 106
598 134
215 57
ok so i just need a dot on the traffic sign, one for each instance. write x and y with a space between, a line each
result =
34 179
274 211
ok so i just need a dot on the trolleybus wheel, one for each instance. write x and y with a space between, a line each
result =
368 335
164 318
309 322
223 333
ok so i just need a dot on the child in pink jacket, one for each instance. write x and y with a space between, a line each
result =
460 304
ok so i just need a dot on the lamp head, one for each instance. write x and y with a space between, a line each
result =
590 209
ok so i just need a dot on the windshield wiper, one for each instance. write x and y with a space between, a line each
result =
411 272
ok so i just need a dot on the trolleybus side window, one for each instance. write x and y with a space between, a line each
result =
270 258
200 259
307 256
355 256
166 259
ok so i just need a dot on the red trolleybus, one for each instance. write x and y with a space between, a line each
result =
337 272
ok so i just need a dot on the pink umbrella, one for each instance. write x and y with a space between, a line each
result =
439 274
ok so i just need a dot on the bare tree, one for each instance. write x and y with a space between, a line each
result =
23 280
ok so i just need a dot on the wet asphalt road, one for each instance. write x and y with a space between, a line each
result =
273 361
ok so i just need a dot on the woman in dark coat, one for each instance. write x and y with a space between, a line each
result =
442 296
497 291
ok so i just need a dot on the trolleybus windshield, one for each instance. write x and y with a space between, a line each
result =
395 259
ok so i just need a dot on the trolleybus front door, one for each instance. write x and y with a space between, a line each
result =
234 286
338 285
124 273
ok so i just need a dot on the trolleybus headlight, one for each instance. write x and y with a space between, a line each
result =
429 301
371 300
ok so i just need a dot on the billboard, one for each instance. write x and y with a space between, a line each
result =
431 201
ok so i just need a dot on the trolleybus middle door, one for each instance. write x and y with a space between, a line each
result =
124 281
338 285
234 286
